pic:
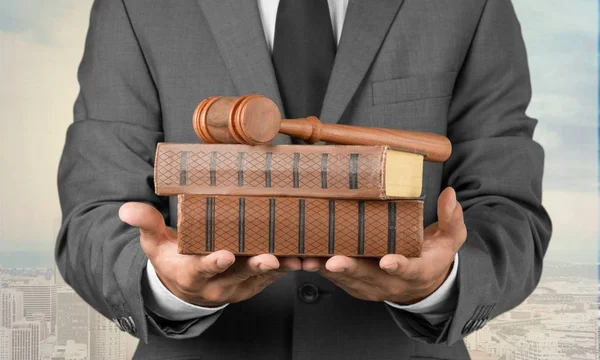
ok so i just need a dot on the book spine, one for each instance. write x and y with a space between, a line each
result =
288 226
300 171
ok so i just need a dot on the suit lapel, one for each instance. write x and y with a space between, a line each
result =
237 29
365 26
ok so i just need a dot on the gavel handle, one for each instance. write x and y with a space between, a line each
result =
434 147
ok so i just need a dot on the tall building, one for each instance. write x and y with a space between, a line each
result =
47 348
44 325
72 317
25 340
58 279
106 340
5 343
539 346
70 351
11 307
39 296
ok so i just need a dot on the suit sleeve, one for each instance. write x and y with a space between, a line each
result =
108 160
496 169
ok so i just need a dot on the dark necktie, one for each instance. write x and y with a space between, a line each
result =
303 54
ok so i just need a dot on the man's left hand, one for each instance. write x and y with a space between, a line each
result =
394 277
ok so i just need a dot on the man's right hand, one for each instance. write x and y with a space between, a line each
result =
205 280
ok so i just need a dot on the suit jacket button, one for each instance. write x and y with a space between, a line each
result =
133 327
308 293
467 328
126 325
117 323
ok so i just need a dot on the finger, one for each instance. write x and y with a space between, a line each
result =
246 268
450 216
407 269
313 264
144 217
287 264
260 264
149 221
212 264
339 263
363 269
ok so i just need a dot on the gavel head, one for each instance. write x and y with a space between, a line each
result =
249 119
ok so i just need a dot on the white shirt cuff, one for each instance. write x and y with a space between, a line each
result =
165 304
438 306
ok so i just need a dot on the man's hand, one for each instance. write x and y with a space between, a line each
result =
396 278
211 280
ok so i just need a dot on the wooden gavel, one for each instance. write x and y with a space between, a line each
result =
255 120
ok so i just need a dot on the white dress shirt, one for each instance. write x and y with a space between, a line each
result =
436 308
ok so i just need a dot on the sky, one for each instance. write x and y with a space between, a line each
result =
41 43
562 44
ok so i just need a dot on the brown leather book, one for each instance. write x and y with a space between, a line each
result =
319 171
288 226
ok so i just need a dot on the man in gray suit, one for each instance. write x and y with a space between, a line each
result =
453 67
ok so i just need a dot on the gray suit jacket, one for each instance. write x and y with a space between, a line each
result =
453 67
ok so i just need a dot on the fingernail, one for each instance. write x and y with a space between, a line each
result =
391 267
313 269
223 263
338 270
453 201
264 267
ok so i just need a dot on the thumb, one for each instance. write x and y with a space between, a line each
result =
450 215
146 218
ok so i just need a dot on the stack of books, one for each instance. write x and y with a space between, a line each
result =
294 200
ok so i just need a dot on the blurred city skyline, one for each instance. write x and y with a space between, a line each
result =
42 318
